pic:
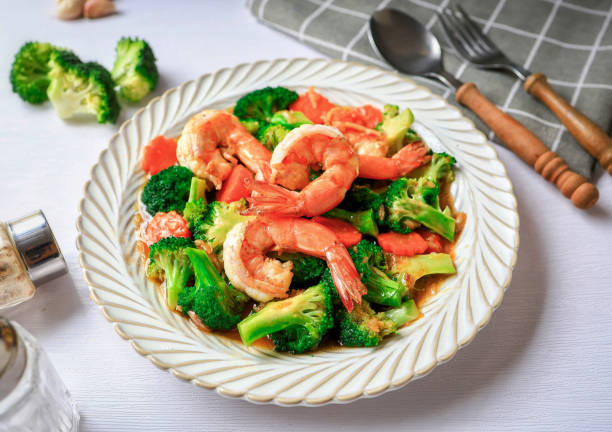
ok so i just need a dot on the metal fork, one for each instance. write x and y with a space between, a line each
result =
474 46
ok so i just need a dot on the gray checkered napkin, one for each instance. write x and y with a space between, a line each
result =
570 42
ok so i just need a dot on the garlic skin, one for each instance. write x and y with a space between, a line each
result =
69 9
98 8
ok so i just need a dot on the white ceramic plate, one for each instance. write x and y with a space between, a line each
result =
485 252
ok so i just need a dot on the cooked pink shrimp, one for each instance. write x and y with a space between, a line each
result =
263 278
401 163
309 146
357 125
211 139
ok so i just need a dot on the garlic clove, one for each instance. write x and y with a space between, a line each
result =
69 9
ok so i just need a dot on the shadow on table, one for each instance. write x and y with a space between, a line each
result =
54 302
486 362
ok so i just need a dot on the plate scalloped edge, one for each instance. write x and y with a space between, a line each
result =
485 253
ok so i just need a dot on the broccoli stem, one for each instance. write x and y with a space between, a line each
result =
204 269
408 311
197 189
177 276
433 219
362 220
381 289
272 318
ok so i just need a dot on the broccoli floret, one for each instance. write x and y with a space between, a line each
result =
395 125
251 125
306 269
289 119
219 219
262 104
29 72
167 190
365 328
272 134
411 136
168 260
81 89
370 263
196 205
217 303
440 168
409 269
409 200
134 70
362 220
297 324
360 197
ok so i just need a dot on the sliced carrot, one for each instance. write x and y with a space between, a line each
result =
402 244
346 233
313 105
163 225
159 154
433 240
238 185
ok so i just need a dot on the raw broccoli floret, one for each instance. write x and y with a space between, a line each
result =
217 303
262 104
134 70
81 89
417 200
167 190
440 168
395 125
196 205
365 328
219 218
272 134
297 324
306 269
168 260
29 72
370 263
362 220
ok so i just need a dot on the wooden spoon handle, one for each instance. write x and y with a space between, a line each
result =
529 148
590 136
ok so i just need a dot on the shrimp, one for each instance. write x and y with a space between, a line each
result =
309 146
211 139
263 278
401 163
357 125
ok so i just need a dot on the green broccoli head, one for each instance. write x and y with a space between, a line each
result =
416 200
196 205
167 259
290 119
80 89
218 304
251 125
296 325
217 221
362 197
370 264
363 327
306 269
395 125
29 72
440 168
262 104
134 70
363 220
271 135
167 190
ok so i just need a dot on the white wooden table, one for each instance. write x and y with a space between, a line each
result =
543 363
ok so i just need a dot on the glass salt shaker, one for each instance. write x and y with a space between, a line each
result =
29 257
32 395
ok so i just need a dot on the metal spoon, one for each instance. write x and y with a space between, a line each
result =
412 49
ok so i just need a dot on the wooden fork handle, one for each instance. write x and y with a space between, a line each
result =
590 136
529 148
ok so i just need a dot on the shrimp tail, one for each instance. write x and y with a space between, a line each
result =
344 274
411 157
272 199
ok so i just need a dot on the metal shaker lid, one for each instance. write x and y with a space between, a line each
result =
36 244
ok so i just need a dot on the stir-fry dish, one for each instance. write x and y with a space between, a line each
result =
293 219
